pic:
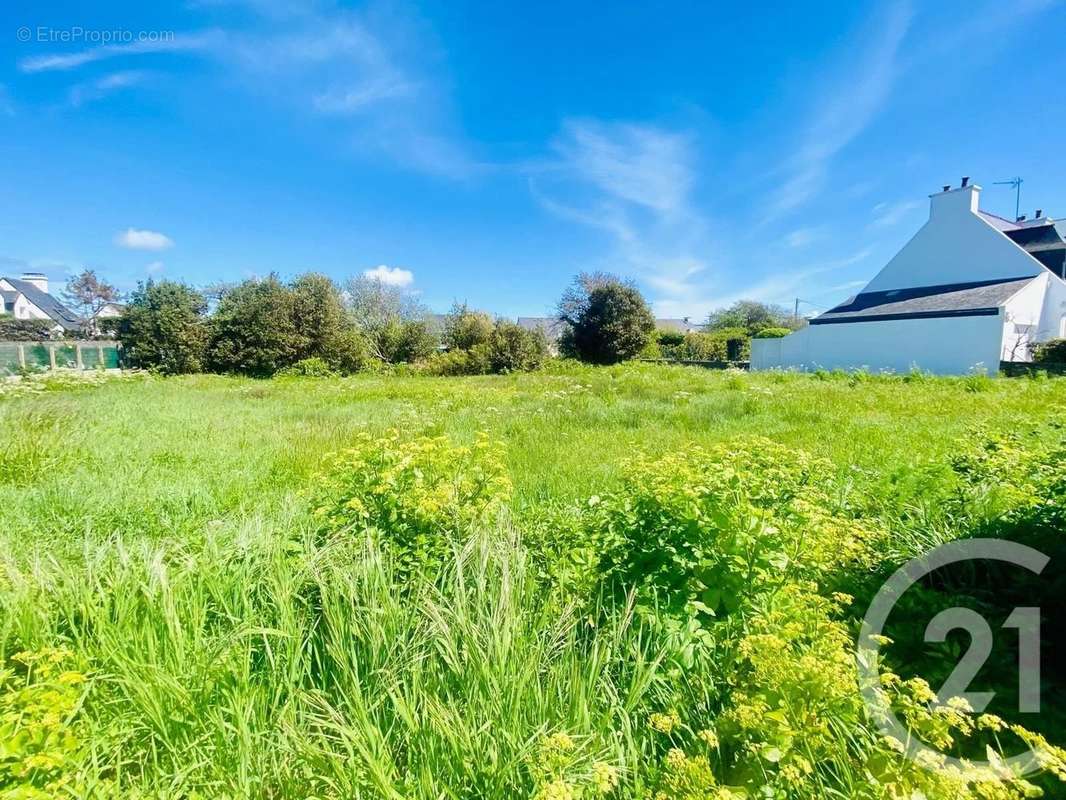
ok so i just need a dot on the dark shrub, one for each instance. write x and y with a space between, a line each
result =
608 319
163 328
1052 352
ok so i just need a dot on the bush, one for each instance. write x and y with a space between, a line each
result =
772 333
514 349
407 341
25 330
162 328
309 368
1052 352
414 495
608 319
465 329
253 330
474 361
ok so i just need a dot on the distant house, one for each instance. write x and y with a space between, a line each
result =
28 298
99 322
969 290
677 325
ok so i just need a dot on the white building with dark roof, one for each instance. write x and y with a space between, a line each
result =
28 298
968 291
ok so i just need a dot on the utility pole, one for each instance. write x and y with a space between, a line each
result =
796 312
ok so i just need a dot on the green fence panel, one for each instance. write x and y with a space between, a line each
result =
94 355
66 356
9 358
90 356
37 355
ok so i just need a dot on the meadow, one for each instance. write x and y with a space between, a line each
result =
635 581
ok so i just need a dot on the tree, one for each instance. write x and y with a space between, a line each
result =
465 329
163 328
88 294
514 349
608 319
390 320
253 330
408 341
752 316
323 326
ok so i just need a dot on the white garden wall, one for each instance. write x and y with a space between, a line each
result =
943 346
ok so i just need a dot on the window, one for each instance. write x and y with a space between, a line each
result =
1062 327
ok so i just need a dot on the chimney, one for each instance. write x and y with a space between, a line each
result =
1039 213
947 187
1021 218
951 202
38 279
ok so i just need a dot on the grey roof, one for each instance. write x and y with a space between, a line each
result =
676 325
1044 243
59 313
976 298
999 223
553 327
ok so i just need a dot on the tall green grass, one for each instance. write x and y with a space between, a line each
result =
161 532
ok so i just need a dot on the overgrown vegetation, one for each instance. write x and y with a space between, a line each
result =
587 582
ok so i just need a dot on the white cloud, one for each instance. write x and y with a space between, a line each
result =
632 181
83 93
888 214
172 43
135 239
802 237
391 276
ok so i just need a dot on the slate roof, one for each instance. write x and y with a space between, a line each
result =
999 223
552 326
1044 243
675 325
977 298
59 313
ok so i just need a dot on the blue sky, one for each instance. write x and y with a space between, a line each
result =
488 151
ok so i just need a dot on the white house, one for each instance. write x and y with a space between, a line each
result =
28 298
968 291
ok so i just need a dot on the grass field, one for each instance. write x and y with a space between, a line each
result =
192 630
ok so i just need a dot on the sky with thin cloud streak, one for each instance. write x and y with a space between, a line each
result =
486 153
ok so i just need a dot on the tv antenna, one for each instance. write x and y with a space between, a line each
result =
1016 183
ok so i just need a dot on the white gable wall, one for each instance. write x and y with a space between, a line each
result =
1053 316
954 246
941 345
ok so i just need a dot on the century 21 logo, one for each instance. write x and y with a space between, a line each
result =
1025 619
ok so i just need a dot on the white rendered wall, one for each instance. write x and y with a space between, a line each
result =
943 345
954 246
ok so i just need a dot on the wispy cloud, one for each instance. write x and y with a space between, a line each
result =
847 105
154 267
632 181
82 93
375 75
803 237
886 215
137 239
175 43
390 276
